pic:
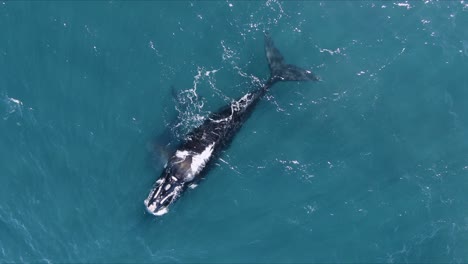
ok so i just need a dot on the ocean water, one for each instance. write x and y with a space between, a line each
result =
368 165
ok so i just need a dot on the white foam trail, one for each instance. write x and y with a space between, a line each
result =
192 113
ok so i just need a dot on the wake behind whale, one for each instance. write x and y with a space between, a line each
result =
202 145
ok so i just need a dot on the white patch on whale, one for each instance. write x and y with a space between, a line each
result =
227 119
182 154
161 212
199 161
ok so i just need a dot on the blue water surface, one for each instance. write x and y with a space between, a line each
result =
368 165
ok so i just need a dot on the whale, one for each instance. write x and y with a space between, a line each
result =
202 146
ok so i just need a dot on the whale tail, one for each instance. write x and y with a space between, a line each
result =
279 70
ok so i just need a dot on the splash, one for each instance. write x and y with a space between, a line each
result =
228 53
404 4
331 52
11 106
305 171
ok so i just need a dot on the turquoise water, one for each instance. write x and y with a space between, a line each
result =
369 165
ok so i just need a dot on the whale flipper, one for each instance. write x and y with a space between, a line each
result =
280 71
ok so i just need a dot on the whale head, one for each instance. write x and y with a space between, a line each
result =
170 185
166 191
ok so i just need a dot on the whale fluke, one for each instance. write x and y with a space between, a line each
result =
280 71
